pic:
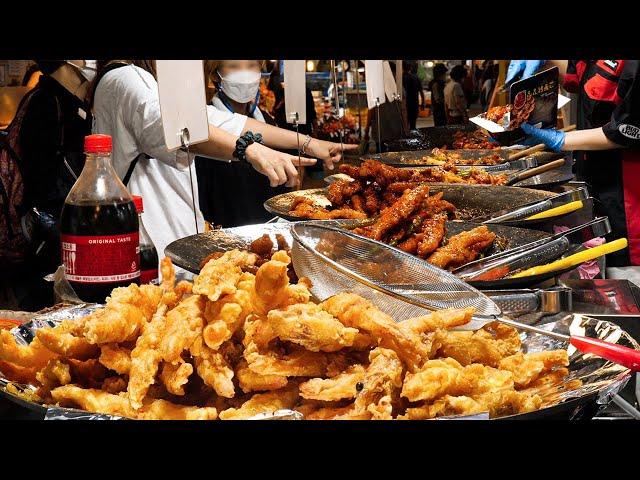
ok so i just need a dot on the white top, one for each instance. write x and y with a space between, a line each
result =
452 93
219 105
127 107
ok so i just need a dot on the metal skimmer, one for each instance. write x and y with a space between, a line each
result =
404 286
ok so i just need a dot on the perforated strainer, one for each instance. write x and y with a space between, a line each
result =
404 286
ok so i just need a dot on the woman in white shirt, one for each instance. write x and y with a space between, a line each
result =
126 106
221 184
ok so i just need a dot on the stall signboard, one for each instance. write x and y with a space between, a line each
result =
295 96
183 102
374 77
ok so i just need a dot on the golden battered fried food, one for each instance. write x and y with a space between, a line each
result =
441 319
526 368
93 400
18 374
227 315
213 369
54 374
435 379
115 358
284 398
174 376
339 387
382 382
399 211
34 355
114 385
182 326
163 410
66 344
357 312
308 325
220 275
487 346
145 358
251 381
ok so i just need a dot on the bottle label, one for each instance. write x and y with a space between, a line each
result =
148 276
101 259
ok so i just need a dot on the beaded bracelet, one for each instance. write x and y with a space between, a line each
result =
243 143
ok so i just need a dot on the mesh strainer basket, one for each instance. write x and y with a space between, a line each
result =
400 284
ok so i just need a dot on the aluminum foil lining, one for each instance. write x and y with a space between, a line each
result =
601 379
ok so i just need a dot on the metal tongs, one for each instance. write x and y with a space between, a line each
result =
553 300
533 253
524 211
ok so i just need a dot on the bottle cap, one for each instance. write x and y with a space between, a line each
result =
97 143
137 201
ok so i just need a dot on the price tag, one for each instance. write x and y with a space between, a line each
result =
183 101
295 96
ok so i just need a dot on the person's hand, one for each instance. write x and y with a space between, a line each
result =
526 67
278 167
329 152
552 138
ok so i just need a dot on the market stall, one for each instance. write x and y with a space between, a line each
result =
457 279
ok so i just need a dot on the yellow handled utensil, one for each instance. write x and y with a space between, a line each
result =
556 211
575 259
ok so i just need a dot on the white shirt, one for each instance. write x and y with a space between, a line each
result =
127 107
219 105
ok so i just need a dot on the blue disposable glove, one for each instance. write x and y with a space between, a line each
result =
552 138
526 67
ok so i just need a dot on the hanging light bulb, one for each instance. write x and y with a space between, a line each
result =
430 64
310 66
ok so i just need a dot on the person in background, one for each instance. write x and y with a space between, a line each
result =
487 82
412 90
232 193
48 136
127 107
454 98
436 86
606 143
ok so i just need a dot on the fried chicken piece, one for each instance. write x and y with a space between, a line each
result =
213 368
251 381
434 205
93 400
306 208
66 344
183 325
127 309
526 368
308 325
298 363
508 402
227 315
440 319
174 376
341 386
88 373
168 274
435 379
341 191
285 398
262 246
219 276
18 374
462 248
444 407
399 211
338 413
145 358
487 345
115 358
433 231
357 312
382 382
164 410
357 202
34 355
114 385
477 379
54 374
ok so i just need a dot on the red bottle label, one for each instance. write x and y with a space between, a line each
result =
101 259
147 276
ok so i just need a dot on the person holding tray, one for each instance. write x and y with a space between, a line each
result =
607 143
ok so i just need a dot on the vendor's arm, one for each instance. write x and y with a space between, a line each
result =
591 139
276 137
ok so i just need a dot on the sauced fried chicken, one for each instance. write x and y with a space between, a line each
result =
462 248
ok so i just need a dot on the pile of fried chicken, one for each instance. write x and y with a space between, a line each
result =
376 186
233 345
476 140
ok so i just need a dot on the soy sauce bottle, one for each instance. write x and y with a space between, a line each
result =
99 227
148 254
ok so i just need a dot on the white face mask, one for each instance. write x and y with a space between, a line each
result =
241 86
88 71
